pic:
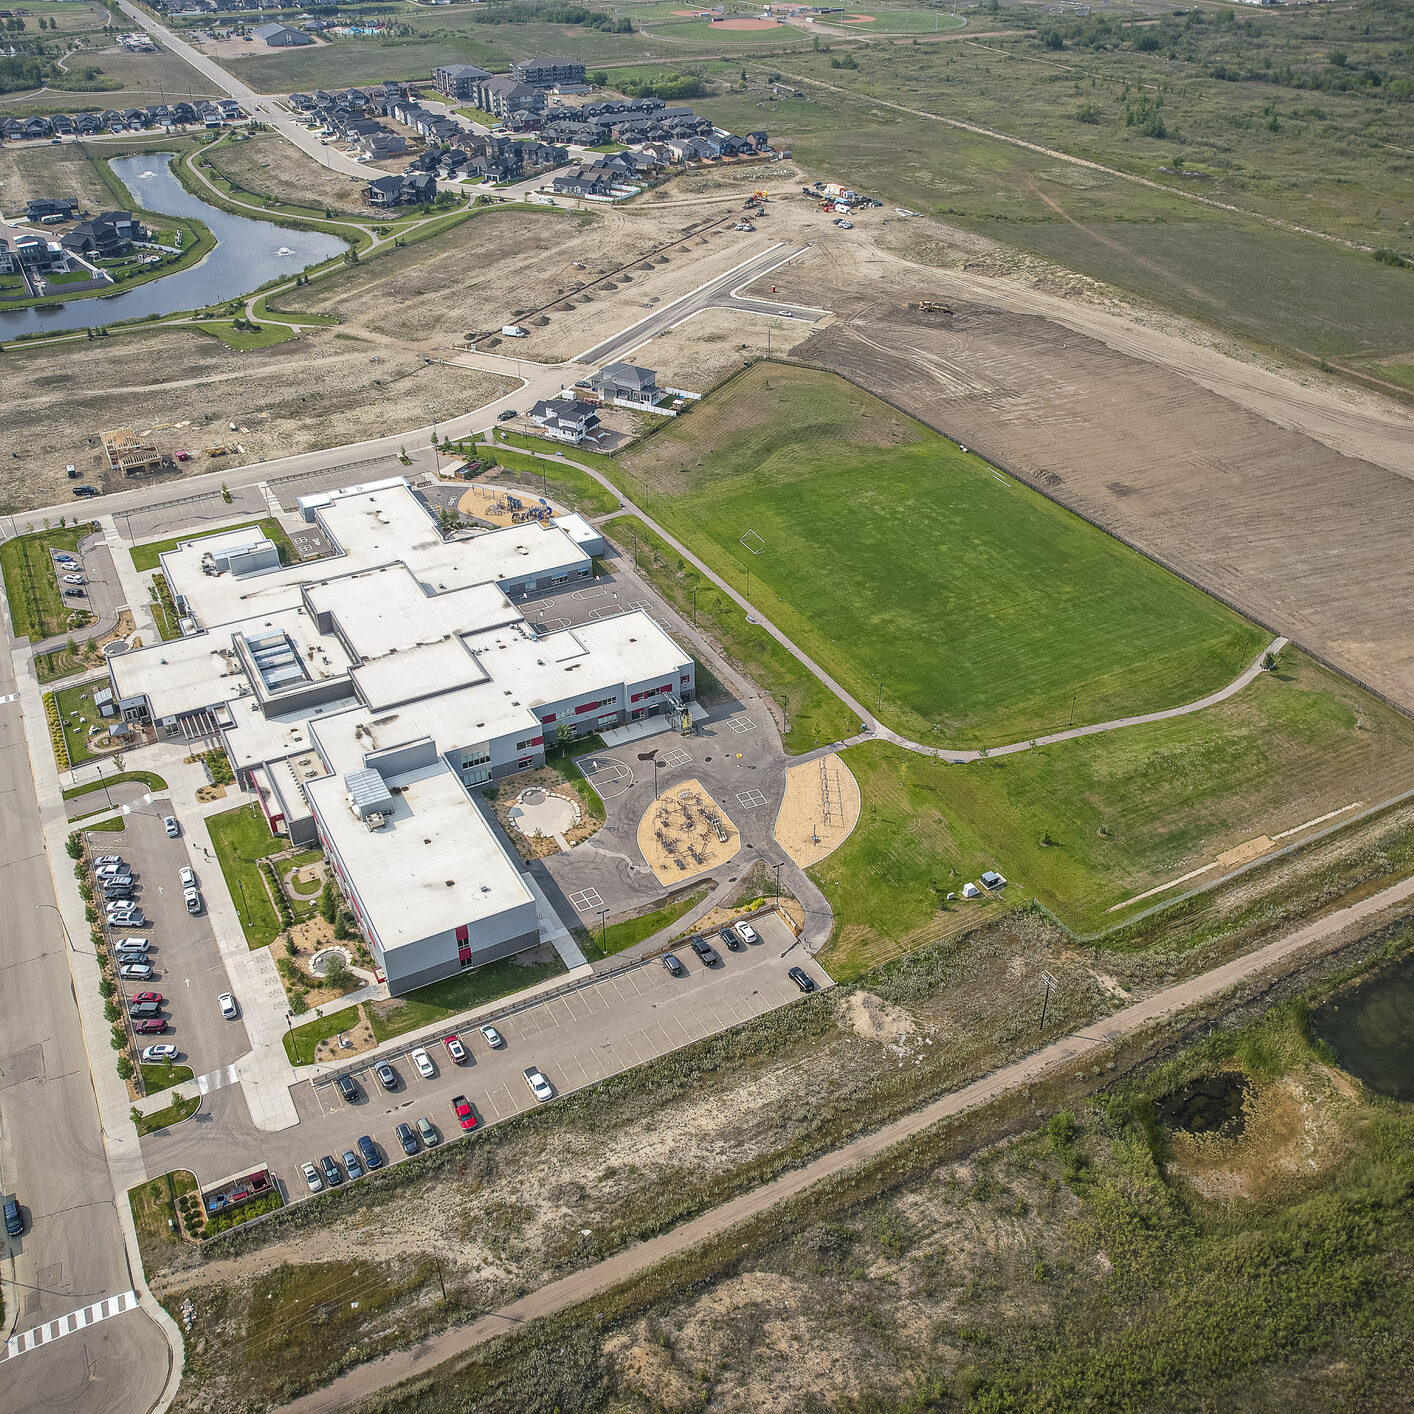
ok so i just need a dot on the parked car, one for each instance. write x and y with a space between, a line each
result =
333 1174
105 859
461 1107
140 997
187 876
141 1011
506 414
132 947
746 933
709 955
674 967
539 1086
158 1055
729 937
120 893
407 1138
428 1131
423 1062
802 979
14 1219
372 1154
348 1088
109 864
73 579
387 1076
87 491
455 1049
154 1026
192 899
494 1039
135 971
169 823
74 594
311 1177
128 920
228 1006
351 1164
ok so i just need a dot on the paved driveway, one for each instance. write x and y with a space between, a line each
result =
607 1026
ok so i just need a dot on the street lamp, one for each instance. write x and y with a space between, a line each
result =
62 923
603 927
777 868
694 606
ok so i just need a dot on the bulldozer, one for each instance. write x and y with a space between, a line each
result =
932 306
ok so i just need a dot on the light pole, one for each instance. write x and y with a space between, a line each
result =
694 606
777 868
603 927
62 923
1045 1001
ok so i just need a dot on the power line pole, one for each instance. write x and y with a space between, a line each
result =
1045 1001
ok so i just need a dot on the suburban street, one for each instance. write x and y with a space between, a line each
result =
52 1147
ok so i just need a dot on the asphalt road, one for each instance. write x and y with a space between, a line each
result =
51 1143
577 1039
620 345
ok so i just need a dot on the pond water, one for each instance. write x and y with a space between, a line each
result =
1208 1104
1371 1030
247 254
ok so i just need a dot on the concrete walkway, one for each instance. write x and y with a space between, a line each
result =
1094 1040
873 729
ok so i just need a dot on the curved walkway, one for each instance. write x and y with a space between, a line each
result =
873 728
1093 1040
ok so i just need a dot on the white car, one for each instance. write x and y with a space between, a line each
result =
169 823
73 579
106 859
158 1055
311 1177
136 971
132 947
192 899
746 932
539 1086
423 1062
494 1039
187 876
228 1006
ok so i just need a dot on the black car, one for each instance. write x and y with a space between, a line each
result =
705 951
802 979
406 1138
87 491
504 415
348 1088
673 965
730 938
333 1174
141 1011
74 594
14 1219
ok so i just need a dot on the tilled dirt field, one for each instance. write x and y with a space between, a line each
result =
30 172
320 390
268 164
1310 542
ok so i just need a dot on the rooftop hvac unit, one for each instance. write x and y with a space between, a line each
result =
375 821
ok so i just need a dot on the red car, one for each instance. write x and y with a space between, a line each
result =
156 997
461 1106
455 1049
154 1027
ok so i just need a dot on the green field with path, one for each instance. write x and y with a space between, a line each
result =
965 608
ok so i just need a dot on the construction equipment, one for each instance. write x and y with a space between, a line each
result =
931 306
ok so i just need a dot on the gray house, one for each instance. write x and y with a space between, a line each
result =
626 383
280 36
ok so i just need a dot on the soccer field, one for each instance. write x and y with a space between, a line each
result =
961 606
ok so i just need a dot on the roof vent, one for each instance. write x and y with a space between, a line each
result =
451 883
427 841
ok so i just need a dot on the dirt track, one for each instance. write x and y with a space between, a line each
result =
1096 1038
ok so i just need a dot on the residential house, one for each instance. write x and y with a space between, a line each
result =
385 191
565 419
585 181
626 383
65 207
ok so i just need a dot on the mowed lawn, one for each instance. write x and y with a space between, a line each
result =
1087 824
974 610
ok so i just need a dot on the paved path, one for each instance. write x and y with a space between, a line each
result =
1095 1038
873 729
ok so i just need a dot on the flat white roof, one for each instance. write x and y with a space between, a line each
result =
435 865
427 671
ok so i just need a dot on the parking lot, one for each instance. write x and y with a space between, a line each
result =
600 1029
186 962
100 593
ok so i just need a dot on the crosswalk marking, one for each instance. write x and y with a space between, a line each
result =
78 1320
10 697
216 1080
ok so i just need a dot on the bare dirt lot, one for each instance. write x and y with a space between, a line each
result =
266 163
320 390
30 172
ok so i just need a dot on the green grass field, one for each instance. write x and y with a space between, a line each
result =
241 839
1086 824
975 610
597 943
37 609
475 987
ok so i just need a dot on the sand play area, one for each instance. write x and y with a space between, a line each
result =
820 808
685 832
502 507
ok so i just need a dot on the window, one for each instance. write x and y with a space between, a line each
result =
529 742
637 697
685 679
525 763
463 934
584 574
477 756
560 579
